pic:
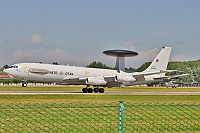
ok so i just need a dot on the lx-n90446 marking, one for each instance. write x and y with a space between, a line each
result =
98 78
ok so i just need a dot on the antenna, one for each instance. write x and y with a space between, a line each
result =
120 54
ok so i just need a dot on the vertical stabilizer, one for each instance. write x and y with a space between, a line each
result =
161 60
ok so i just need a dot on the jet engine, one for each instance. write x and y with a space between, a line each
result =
120 78
95 81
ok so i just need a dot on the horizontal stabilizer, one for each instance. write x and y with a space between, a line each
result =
176 76
168 71
172 76
151 73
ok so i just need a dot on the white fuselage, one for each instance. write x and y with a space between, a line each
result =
72 74
57 72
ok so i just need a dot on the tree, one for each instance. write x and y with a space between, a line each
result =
190 67
6 66
131 69
143 67
98 64
55 63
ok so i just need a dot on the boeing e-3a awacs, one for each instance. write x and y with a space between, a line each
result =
99 78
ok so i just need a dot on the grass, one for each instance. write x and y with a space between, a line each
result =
79 88
98 97
99 112
41 88
104 117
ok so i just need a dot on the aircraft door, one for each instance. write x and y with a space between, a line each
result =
26 69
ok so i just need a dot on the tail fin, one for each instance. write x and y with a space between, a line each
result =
161 60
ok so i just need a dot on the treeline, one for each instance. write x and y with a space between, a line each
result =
190 67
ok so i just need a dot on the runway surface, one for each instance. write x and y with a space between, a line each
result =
106 93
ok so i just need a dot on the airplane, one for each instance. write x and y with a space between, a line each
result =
98 78
172 84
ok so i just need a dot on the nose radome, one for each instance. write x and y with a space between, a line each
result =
6 71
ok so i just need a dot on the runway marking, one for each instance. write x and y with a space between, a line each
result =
106 93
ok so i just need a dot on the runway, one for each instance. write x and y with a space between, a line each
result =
106 93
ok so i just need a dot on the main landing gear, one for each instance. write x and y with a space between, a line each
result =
90 90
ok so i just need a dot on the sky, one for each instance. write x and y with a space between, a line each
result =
76 32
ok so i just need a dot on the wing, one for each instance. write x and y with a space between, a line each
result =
140 75
172 76
72 80
152 73
98 80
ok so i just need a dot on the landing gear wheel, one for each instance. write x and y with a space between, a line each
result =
90 90
96 90
101 90
84 90
24 84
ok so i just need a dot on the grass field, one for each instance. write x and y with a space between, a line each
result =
97 97
79 88
98 113
98 118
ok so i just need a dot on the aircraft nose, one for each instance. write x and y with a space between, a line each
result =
7 71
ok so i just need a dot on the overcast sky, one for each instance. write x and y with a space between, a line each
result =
76 32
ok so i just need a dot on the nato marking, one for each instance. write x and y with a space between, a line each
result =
53 72
69 73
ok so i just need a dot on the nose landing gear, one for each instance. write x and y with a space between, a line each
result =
24 84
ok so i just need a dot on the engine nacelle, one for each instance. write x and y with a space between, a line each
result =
95 81
120 78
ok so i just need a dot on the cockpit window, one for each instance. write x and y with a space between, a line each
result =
13 66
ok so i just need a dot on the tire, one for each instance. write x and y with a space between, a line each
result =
96 90
84 90
101 90
24 84
90 90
